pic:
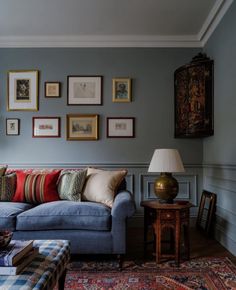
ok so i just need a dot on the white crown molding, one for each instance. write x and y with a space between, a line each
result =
199 40
100 41
214 17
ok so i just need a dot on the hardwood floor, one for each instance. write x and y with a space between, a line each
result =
200 246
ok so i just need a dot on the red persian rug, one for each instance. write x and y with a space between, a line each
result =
200 274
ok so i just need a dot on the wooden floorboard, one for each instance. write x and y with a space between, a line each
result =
200 246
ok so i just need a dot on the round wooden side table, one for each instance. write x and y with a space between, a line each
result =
168 216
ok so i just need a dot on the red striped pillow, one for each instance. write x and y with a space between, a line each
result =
36 188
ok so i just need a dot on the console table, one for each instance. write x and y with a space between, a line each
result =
164 216
43 273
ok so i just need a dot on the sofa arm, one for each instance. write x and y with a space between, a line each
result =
123 206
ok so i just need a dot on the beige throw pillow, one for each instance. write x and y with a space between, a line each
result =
102 185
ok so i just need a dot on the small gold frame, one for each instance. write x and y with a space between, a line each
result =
121 90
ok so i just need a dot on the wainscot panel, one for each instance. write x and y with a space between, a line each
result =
221 179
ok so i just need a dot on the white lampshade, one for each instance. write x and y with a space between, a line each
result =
166 160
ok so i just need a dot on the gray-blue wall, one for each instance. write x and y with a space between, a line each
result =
220 150
152 105
152 72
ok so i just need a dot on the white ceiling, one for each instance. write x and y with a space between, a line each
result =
141 23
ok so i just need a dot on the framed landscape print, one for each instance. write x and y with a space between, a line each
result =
12 127
194 98
120 127
82 127
84 90
46 127
121 90
22 90
52 89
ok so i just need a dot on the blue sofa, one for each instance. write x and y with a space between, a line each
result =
92 228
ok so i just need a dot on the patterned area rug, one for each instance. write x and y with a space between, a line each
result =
200 274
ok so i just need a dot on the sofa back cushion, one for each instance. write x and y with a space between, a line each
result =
102 185
7 186
36 188
70 184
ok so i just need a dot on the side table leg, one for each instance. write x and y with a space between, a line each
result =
186 241
145 232
61 281
177 245
158 241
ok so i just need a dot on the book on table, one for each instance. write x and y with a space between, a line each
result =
22 263
17 249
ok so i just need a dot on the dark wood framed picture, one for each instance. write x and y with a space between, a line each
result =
206 211
12 127
194 98
84 90
82 127
52 89
120 127
46 127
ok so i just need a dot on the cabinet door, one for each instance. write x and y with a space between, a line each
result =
194 100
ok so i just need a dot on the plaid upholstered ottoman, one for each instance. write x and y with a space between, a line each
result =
48 268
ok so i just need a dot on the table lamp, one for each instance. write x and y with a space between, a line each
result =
166 161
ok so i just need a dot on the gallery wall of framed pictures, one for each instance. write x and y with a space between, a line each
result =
82 90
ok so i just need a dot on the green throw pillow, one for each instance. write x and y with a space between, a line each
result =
3 169
7 186
71 184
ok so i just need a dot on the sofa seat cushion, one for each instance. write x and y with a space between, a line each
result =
8 213
63 215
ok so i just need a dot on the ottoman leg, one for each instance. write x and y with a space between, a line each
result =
61 281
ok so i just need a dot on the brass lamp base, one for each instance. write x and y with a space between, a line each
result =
166 187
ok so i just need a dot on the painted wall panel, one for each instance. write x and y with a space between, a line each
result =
219 151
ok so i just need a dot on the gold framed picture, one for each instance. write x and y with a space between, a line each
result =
121 90
82 127
22 90
52 89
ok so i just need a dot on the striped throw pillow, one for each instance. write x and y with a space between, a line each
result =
71 184
7 186
36 188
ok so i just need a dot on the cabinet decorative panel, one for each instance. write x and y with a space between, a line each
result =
194 98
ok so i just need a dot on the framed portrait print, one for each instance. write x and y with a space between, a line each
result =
120 127
194 98
121 90
46 127
82 127
52 89
84 90
22 90
12 127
